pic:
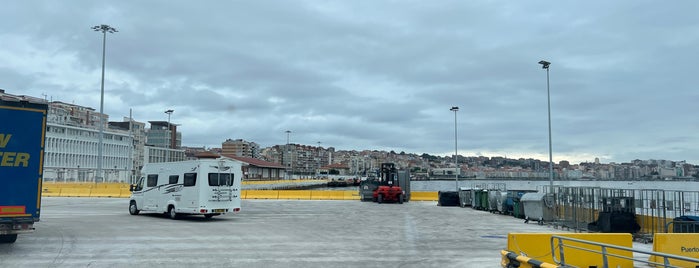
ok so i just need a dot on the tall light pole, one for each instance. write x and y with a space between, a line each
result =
288 152
545 65
456 150
169 134
320 160
104 29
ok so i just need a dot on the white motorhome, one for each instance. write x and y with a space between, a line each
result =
208 187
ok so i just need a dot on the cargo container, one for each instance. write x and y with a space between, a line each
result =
22 137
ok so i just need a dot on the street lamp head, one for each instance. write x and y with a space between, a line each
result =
104 28
454 108
169 111
544 64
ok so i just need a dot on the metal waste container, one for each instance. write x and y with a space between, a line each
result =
404 183
501 202
685 224
538 207
512 204
448 199
517 207
465 196
493 197
476 201
366 189
480 199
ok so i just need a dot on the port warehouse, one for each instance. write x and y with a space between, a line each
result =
573 207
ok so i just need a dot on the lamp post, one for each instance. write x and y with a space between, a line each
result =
169 134
288 152
317 171
545 65
456 150
104 29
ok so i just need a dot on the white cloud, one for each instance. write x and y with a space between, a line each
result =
379 74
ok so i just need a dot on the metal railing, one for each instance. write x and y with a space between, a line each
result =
578 208
605 254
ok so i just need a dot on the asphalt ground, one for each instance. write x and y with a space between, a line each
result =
99 232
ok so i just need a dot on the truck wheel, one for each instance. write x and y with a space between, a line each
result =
171 212
379 199
133 209
10 238
400 199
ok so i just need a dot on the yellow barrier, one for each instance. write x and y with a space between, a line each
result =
121 190
511 259
682 244
262 194
295 194
336 195
105 192
75 192
320 195
351 195
539 244
424 196
81 185
280 181
47 191
111 185
125 193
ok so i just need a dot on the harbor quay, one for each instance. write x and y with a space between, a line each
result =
99 232
438 234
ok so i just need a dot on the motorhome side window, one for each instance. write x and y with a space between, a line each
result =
174 179
220 179
152 180
190 179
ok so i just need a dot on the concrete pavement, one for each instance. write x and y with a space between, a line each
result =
99 232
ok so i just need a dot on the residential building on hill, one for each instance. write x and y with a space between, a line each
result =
240 147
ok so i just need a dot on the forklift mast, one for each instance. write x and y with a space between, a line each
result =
389 176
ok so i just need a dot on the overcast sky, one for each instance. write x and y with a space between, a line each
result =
377 74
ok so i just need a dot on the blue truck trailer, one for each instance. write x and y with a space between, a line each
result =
22 137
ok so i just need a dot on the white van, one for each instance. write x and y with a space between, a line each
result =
208 187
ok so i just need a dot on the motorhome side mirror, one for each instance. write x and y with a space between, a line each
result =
131 187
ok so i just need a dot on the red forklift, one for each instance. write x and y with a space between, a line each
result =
389 188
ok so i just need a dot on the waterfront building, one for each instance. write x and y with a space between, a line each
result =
335 169
137 131
240 147
441 172
192 152
256 169
299 159
163 134
307 159
163 143
72 142
154 154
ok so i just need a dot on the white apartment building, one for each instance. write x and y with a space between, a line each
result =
71 154
137 130
155 154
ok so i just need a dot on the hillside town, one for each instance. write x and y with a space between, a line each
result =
72 143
